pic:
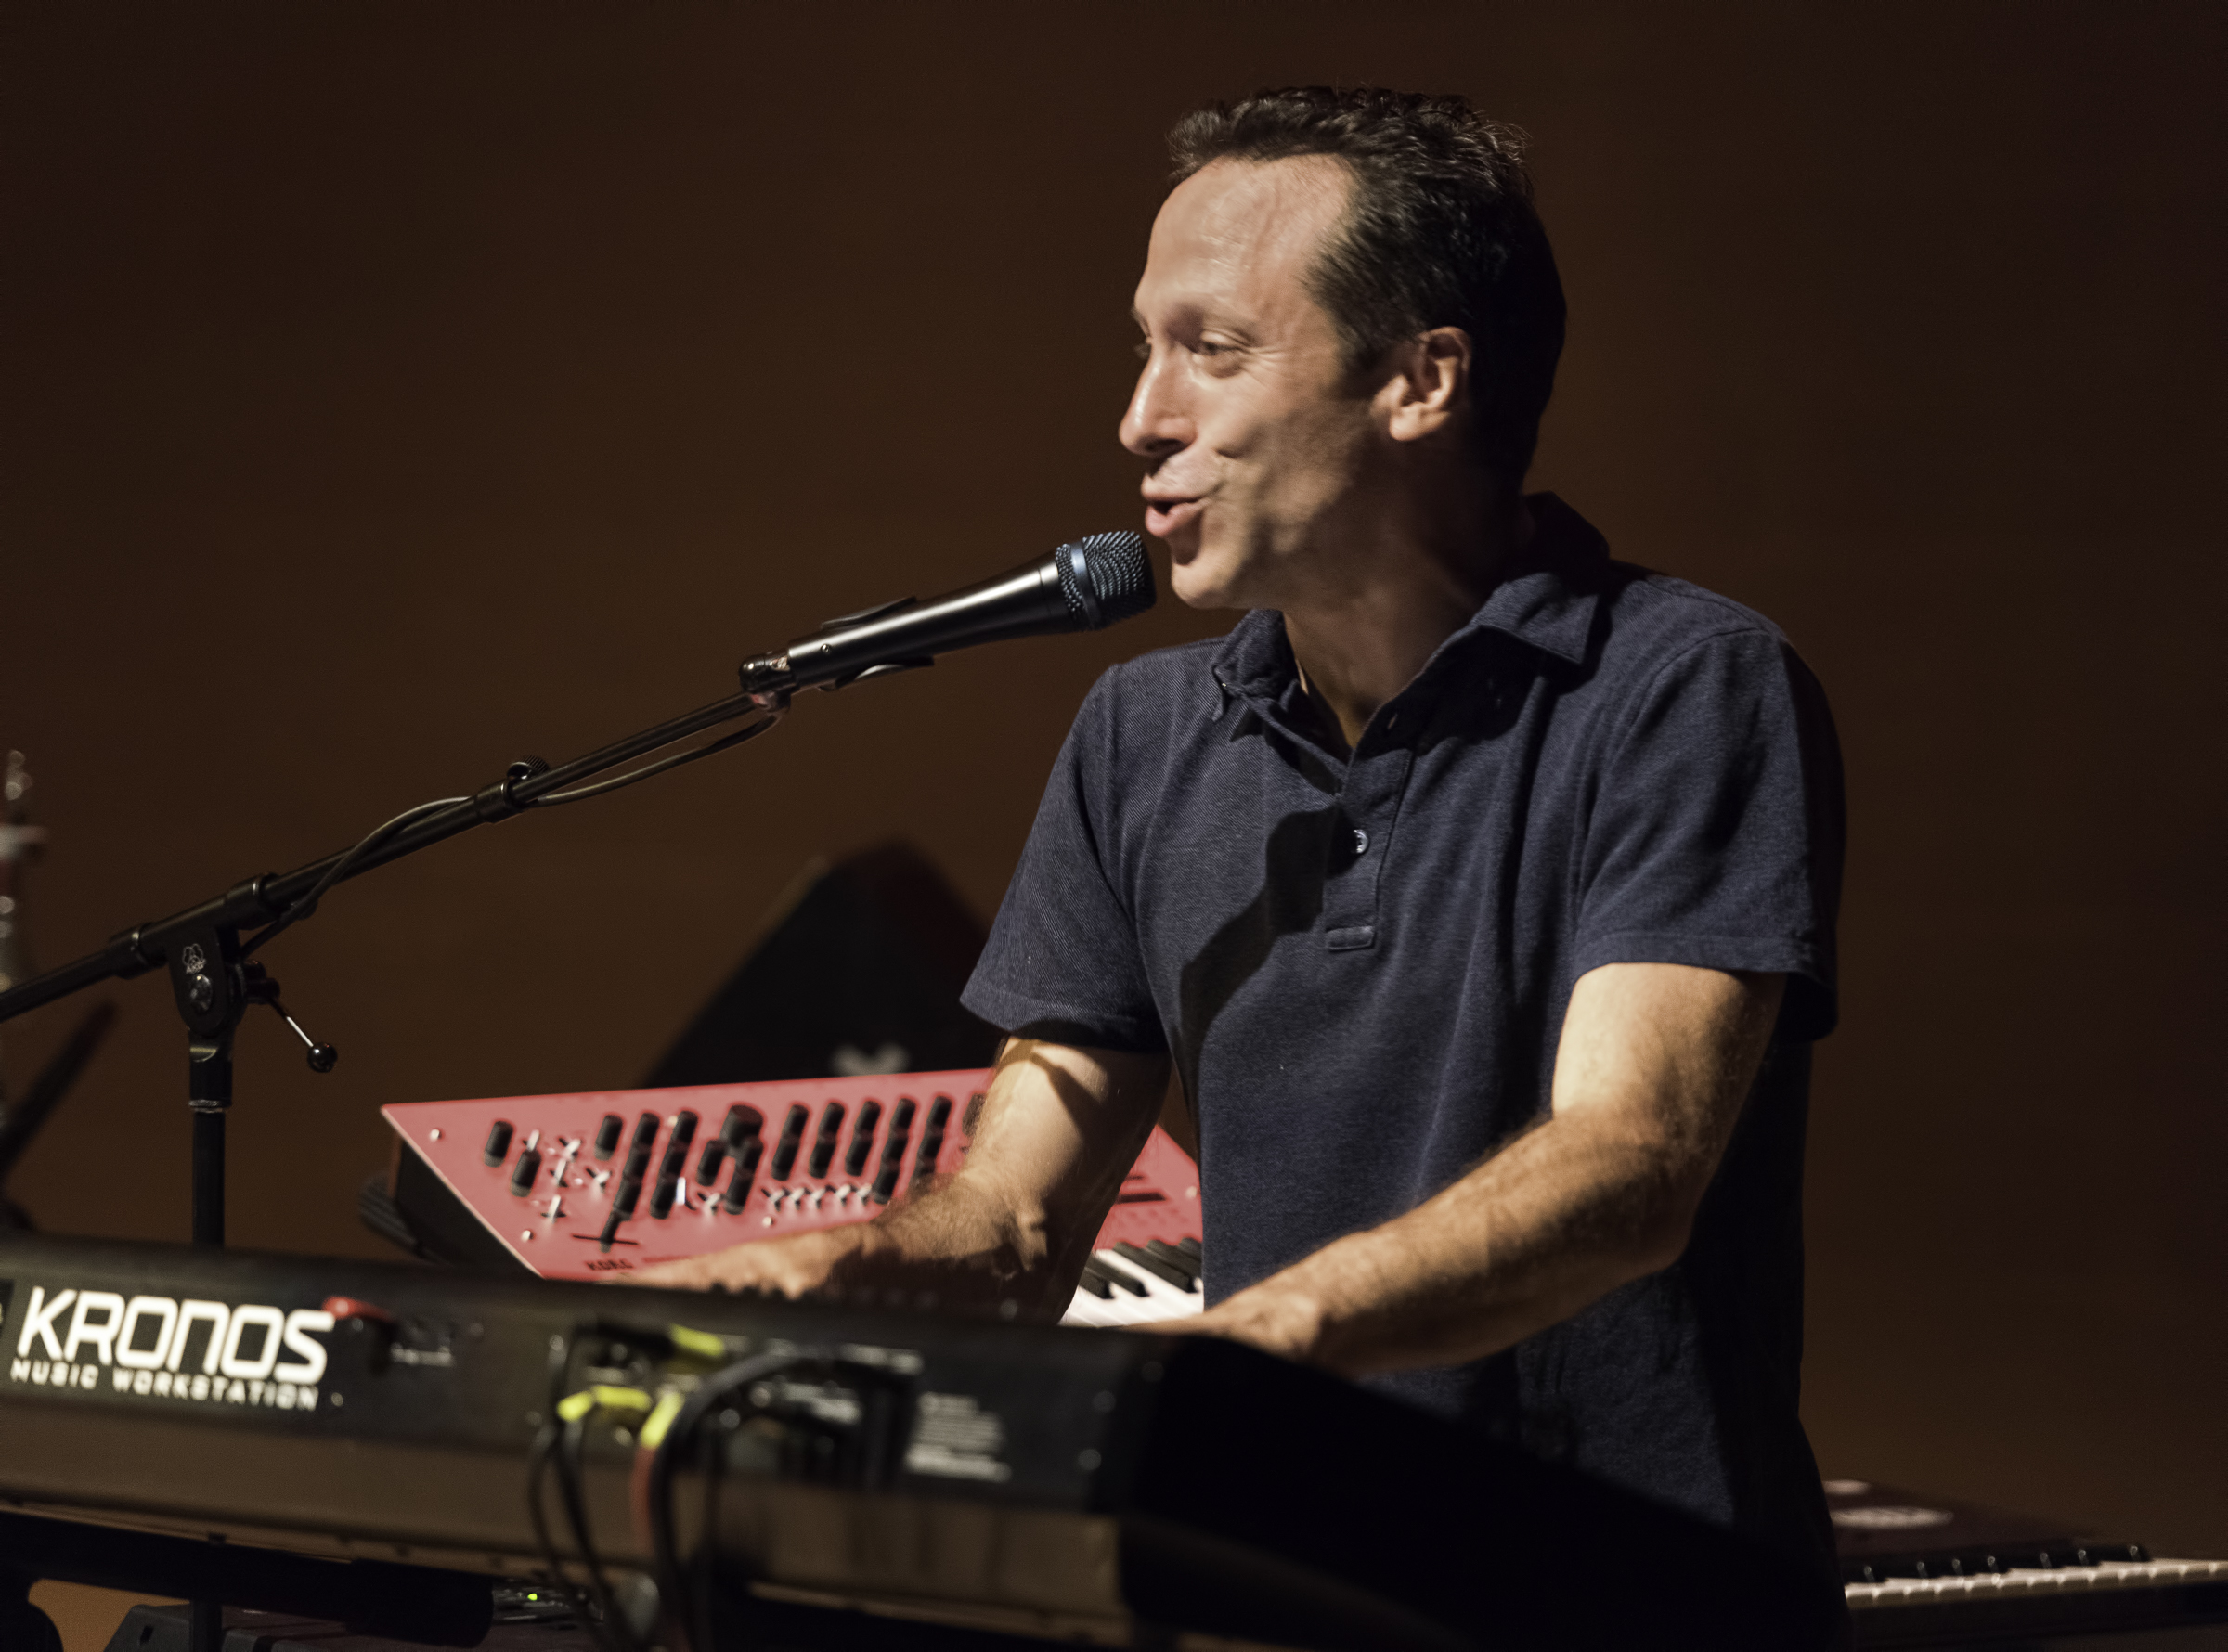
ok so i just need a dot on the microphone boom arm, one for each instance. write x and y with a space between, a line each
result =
1082 585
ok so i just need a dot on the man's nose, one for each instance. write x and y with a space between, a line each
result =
1156 423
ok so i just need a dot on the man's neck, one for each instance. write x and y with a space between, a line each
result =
1360 647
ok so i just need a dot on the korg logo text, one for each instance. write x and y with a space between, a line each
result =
216 1353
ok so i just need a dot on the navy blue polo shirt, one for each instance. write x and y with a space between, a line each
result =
1360 965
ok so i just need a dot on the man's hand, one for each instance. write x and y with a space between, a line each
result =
1060 1127
1654 1064
792 1266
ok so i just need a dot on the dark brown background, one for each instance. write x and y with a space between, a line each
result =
393 390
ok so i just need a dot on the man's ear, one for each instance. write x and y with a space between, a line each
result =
1428 384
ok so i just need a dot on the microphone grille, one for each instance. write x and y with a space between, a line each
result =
1106 578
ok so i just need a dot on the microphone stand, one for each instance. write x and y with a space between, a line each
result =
213 977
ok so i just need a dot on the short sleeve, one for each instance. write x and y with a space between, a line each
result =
1715 838
1063 960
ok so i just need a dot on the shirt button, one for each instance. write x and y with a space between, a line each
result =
1361 842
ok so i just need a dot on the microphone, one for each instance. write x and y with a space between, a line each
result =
1084 586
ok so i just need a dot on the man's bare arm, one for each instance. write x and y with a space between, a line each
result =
1653 1066
1060 1128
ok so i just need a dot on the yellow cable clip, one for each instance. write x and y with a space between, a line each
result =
697 1345
653 1434
601 1396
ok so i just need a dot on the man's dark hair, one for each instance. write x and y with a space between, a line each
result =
1441 232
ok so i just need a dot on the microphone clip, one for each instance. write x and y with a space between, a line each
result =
768 681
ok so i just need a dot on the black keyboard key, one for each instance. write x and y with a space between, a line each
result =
1183 1260
1116 1276
1147 1263
1098 1283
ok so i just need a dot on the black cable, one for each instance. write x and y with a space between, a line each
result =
598 787
712 1462
612 1632
550 1451
659 1495
308 904
364 845
537 1467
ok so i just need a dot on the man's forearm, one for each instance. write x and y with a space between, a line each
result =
1654 1067
1557 1219
1059 1126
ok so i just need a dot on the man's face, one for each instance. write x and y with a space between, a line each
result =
1257 439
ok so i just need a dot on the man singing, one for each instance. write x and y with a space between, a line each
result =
1480 889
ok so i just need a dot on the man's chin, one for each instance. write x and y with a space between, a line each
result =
1196 587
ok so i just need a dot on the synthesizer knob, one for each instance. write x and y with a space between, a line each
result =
863 1138
747 1171
675 1162
622 1204
646 1130
792 1134
824 1144
893 1152
498 1143
707 1163
741 1122
661 1196
607 1135
932 1140
684 1127
524 1172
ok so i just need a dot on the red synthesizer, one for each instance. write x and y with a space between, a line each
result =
583 1186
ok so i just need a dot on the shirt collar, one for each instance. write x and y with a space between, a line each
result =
1547 601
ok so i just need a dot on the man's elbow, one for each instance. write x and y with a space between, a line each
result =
1660 1241
1663 1224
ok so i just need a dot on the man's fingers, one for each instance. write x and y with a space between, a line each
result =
787 1267
672 1274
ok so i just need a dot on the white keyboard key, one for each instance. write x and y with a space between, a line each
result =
1159 1299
